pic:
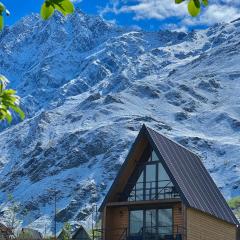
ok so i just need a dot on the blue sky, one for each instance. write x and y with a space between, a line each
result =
146 14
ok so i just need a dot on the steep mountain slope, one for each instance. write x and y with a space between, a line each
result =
87 87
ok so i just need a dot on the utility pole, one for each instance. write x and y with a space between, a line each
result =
55 214
45 230
54 192
96 213
92 220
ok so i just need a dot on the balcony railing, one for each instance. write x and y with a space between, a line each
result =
175 232
161 233
153 190
110 234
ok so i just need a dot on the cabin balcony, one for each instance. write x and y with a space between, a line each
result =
153 190
173 232
149 191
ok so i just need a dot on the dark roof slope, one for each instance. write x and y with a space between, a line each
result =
193 180
187 172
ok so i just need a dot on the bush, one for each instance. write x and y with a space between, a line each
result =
234 203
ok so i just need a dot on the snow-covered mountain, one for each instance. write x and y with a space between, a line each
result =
87 86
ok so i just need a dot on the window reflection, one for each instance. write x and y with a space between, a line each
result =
136 222
150 182
151 223
153 183
154 156
165 221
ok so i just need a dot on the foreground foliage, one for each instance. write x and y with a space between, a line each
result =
234 204
194 6
49 6
9 101
3 11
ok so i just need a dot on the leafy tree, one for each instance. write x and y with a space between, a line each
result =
234 204
194 6
11 213
9 101
67 231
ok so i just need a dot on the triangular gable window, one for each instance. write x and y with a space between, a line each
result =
153 182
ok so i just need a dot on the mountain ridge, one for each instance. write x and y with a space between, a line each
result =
87 86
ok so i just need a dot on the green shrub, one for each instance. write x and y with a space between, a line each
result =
234 203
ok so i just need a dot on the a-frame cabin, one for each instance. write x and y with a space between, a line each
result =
163 191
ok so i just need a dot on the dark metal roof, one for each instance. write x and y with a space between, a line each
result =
196 187
193 180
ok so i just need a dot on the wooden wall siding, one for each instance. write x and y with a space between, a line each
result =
178 218
116 221
201 226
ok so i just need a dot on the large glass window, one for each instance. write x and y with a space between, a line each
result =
153 183
151 223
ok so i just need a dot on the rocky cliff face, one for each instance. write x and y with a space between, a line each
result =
87 86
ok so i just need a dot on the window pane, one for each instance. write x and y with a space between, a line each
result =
165 221
150 224
150 190
137 192
139 188
136 222
162 174
164 183
154 156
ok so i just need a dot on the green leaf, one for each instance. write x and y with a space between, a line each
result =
10 91
197 3
3 79
3 83
194 7
1 22
8 116
2 8
68 6
47 11
205 2
8 101
179 1
18 110
65 7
